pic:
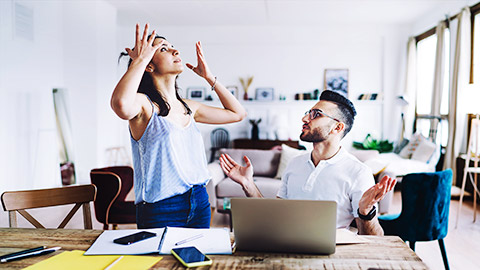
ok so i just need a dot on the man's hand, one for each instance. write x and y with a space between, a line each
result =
240 174
375 194
372 196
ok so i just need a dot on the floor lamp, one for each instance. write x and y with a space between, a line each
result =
402 102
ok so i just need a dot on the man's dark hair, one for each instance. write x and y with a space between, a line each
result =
345 106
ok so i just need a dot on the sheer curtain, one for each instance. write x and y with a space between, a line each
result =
438 78
459 81
410 85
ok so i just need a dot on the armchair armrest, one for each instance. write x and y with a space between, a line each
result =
217 175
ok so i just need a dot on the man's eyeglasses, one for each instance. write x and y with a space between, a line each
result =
314 113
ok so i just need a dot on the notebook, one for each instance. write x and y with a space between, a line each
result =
209 241
278 225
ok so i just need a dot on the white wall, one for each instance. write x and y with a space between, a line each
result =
73 47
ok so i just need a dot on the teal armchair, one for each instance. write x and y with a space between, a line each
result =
425 209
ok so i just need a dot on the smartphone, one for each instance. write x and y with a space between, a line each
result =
136 237
191 256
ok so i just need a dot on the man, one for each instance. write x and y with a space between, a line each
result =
329 172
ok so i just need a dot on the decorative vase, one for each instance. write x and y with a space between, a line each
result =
245 96
255 132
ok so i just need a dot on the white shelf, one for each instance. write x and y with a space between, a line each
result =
269 103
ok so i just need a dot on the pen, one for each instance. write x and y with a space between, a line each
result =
30 254
189 239
234 247
21 252
113 263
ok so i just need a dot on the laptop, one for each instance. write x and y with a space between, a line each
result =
278 225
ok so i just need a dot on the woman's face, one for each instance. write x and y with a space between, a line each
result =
166 59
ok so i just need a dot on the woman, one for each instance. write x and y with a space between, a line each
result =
170 167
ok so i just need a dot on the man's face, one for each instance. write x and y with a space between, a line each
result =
320 122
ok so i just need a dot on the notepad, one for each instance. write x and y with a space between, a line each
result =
212 241
345 236
74 260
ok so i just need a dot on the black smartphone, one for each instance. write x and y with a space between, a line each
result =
191 256
136 237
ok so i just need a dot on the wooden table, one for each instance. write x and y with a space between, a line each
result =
388 252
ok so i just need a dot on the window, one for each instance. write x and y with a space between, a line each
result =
426 50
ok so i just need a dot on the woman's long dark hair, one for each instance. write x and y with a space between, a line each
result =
148 88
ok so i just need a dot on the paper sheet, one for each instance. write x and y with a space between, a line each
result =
74 260
345 236
212 241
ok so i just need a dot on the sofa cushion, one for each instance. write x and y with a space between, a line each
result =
424 150
265 162
419 148
267 186
364 155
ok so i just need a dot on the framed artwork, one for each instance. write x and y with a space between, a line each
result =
336 80
264 94
234 90
196 93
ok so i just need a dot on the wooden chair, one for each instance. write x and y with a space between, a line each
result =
113 185
219 139
19 201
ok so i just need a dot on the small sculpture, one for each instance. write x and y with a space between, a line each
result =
255 130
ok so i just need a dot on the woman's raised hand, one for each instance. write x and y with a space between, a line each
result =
201 69
144 48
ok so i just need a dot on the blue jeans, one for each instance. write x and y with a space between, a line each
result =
190 209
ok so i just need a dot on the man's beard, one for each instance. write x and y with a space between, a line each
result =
315 135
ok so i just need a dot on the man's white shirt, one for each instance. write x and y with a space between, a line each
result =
342 178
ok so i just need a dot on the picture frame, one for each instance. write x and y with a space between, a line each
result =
336 80
264 94
234 90
196 93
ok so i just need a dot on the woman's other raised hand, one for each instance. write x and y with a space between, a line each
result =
201 69
144 48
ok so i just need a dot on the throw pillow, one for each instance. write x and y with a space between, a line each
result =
424 150
412 145
288 153
399 147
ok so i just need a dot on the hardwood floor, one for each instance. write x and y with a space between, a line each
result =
462 244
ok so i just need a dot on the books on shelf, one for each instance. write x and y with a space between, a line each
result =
370 96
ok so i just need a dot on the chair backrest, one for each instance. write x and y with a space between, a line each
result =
219 138
425 205
125 173
19 201
113 185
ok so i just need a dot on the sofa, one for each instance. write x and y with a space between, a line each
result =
265 168
417 155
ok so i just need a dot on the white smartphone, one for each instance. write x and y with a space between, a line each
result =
191 256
